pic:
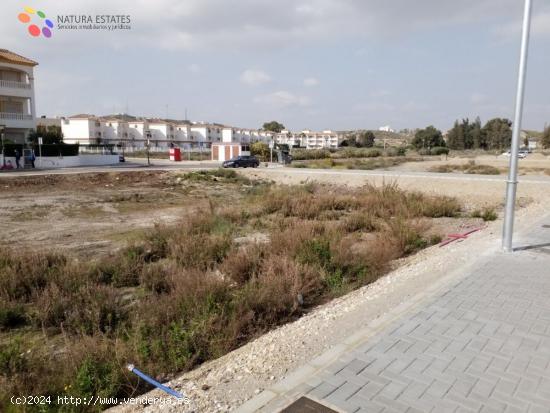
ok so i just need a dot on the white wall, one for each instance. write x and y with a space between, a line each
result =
79 131
71 161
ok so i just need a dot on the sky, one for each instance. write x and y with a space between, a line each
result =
315 64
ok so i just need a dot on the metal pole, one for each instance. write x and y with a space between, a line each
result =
2 140
512 183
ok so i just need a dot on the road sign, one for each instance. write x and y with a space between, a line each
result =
40 142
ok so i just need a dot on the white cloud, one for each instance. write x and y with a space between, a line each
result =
283 99
311 82
253 77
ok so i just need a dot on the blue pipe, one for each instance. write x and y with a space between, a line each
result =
154 382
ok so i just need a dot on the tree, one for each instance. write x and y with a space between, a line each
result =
274 126
49 134
498 134
466 135
428 138
365 139
478 140
455 138
545 139
261 150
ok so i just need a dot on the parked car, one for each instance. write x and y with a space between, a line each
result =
521 154
242 162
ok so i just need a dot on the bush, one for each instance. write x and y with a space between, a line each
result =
227 175
400 151
12 315
358 153
439 150
487 214
308 154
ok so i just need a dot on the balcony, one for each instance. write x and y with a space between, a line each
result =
12 84
14 116
17 120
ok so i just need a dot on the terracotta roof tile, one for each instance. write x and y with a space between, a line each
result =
11 57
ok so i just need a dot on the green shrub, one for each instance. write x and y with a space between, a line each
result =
439 150
487 214
97 378
12 358
12 315
308 154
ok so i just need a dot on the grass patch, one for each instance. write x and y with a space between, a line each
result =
487 214
216 175
470 168
360 164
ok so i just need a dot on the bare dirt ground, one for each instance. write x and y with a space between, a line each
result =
93 213
224 384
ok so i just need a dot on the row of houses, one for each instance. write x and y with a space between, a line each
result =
18 119
137 133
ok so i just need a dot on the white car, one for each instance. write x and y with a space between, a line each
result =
521 154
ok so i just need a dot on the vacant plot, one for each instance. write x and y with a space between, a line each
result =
227 260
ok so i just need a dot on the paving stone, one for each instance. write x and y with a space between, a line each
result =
483 345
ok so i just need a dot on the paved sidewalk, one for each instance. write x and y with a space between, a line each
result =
482 345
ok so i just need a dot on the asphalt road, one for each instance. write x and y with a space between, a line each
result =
164 165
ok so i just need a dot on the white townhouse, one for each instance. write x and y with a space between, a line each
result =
183 134
205 134
137 133
17 104
114 131
161 133
83 129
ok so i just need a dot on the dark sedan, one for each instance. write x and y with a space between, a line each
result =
242 162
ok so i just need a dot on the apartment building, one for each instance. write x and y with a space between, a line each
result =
17 104
326 139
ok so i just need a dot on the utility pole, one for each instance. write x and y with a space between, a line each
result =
512 183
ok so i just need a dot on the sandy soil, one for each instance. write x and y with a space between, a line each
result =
106 211
224 384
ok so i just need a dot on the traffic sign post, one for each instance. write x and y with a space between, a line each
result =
40 142
271 146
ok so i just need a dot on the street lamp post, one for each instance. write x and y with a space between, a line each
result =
512 183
